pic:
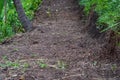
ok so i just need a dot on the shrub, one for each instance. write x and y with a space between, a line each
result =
9 23
108 11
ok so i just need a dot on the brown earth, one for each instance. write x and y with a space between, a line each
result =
59 48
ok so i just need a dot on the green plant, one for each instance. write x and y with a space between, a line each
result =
114 67
9 23
30 6
61 65
42 64
118 44
3 65
26 65
15 50
33 55
7 63
10 64
4 57
49 13
108 11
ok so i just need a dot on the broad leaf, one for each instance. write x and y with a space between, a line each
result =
1 6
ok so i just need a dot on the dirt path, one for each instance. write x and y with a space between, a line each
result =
60 43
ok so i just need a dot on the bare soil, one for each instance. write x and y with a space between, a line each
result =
59 48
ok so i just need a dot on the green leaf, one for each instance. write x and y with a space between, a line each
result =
1 6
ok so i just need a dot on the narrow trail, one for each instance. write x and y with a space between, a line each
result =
58 37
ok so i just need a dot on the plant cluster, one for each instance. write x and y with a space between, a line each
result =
9 23
25 64
108 12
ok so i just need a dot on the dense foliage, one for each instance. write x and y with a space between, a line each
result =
108 11
9 23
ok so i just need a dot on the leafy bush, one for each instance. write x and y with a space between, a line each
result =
9 23
108 11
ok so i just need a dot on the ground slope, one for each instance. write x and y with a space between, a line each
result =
60 41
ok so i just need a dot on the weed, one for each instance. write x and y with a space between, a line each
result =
9 23
108 11
61 65
33 55
95 63
15 50
26 65
114 67
3 65
4 57
13 64
8 63
48 13
42 64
